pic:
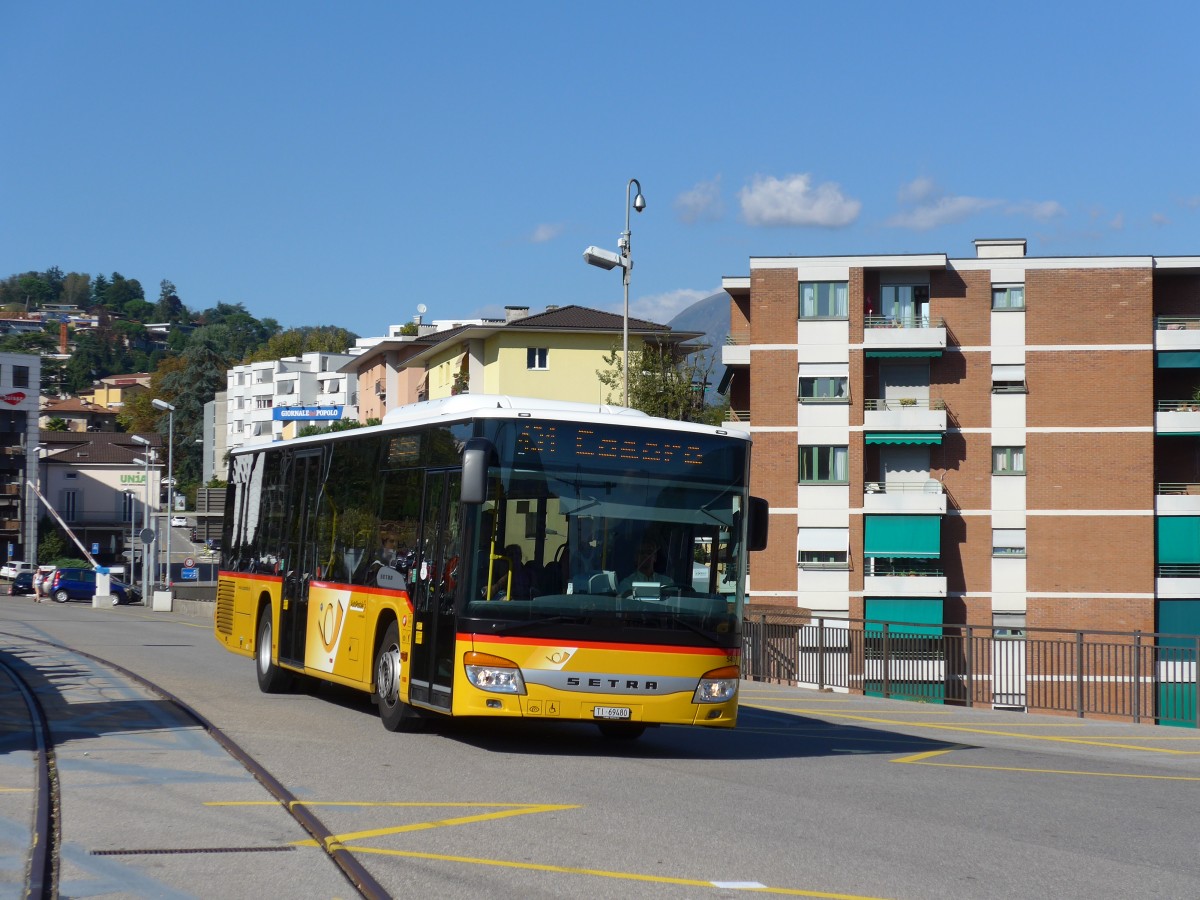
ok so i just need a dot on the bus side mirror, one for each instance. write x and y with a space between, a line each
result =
758 525
476 456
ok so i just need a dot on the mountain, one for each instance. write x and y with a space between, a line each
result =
711 317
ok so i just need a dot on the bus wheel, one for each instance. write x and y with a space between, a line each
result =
621 731
271 678
394 712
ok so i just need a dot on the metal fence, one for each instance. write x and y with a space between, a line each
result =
1138 676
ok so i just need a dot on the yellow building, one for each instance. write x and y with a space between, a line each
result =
553 355
116 390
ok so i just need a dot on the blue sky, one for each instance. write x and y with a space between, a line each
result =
341 163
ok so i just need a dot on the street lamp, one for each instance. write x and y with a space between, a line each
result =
606 259
145 461
164 405
132 495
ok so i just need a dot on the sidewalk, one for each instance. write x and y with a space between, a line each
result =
136 780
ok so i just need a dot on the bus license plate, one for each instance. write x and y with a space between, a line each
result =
611 712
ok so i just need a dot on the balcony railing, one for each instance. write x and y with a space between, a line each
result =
1176 488
739 415
1178 570
738 337
903 322
1176 323
929 486
903 403
890 567
1177 405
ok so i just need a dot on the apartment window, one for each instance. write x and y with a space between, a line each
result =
1009 380
264 403
831 389
21 376
823 465
1008 460
1008 542
824 559
70 505
537 358
824 299
906 305
1008 296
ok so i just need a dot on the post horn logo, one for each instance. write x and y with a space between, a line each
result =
14 398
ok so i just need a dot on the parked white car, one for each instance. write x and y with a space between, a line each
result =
13 568
179 521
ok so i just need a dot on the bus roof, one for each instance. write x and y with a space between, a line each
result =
504 406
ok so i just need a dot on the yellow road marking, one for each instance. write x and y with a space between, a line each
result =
929 754
874 720
441 823
1050 771
602 873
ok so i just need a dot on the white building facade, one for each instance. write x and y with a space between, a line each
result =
266 401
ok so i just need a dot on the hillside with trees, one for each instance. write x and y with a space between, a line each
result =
109 332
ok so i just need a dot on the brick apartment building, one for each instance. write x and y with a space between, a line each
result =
995 440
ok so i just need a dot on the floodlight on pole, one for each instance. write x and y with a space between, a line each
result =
145 462
170 410
606 259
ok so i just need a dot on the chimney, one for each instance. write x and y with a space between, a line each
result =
515 313
1000 248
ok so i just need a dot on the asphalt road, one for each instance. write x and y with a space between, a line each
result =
814 794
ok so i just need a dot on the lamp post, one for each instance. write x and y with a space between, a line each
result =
170 410
606 259
145 461
132 495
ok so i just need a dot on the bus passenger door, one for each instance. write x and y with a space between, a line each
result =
436 583
297 571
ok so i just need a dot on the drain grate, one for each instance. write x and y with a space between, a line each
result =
179 850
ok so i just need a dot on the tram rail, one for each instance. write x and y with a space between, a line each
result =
41 866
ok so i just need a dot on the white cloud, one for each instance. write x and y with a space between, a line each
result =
941 211
793 200
1117 222
661 308
1159 219
917 190
701 203
546 232
1042 210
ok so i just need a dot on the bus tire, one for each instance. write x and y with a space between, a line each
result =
395 714
621 731
271 678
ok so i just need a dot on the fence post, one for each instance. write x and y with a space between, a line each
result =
821 653
887 662
1137 677
1079 674
970 656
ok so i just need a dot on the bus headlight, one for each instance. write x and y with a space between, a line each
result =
493 673
717 686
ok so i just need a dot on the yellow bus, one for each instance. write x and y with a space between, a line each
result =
498 556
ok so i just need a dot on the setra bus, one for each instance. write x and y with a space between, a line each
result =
498 556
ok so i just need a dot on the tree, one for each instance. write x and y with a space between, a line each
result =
77 290
169 307
663 381
56 424
306 339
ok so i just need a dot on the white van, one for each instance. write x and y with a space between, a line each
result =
13 568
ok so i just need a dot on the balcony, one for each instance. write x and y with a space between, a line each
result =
1178 417
926 497
1177 498
903 578
905 414
1177 333
736 351
907 336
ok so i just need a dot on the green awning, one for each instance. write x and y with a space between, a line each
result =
903 438
1178 539
925 612
906 537
1177 359
904 354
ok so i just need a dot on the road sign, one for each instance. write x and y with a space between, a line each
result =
188 562
147 535
189 574
95 548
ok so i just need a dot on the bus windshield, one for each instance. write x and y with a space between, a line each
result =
584 530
